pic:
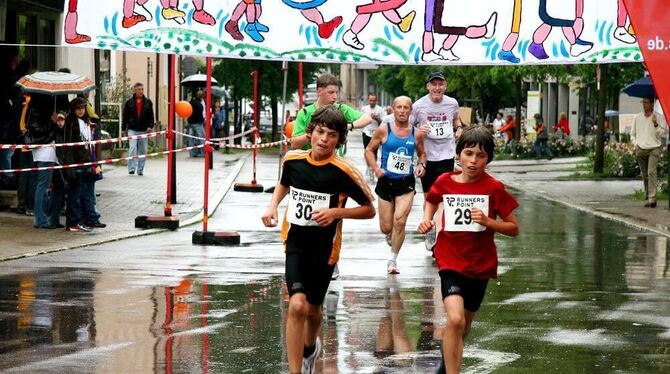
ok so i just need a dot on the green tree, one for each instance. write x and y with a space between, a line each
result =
236 75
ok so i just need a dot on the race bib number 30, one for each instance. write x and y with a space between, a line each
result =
458 212
440 129
303 203
398 164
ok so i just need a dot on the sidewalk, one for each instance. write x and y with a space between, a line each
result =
609 199
122 198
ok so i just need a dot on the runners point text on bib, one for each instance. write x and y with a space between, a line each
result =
303 203
458 211
398 163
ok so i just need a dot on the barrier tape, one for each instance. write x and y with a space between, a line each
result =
113 160
101 162
260 145
116 140
215 140
89 142
236 146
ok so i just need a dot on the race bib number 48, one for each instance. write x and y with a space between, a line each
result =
303 203
458 212
398 164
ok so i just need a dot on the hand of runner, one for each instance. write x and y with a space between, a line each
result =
324 217
419 171
270 218
379 172
479 217
425 226
425 129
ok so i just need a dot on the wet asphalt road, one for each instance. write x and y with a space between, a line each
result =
575 294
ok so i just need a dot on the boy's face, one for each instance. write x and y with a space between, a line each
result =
328 94
324 142
473 161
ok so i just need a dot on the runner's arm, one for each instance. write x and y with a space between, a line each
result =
508 226
269 218
371 149
458 126
428 213
420 152
363 121
325 217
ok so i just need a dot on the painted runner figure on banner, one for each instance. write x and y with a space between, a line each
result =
433 25
389 9
555 14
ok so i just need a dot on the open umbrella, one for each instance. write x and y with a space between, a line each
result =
55 83
220 92
197 80
640 88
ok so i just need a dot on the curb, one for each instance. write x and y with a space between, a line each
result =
609 216
218 198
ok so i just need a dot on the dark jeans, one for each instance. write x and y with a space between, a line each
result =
542 146
79 207
27 182
48 201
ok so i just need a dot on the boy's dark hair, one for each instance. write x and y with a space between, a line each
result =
325 80
330 116
477 136
649 98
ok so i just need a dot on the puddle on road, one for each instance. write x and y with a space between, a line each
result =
578 294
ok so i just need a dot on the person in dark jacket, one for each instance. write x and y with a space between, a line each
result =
81 214
196 123
138 119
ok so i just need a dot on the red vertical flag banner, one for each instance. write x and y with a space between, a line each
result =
650 20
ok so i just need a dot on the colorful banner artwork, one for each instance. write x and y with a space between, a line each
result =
651 18
436 32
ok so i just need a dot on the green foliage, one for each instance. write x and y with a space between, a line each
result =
523 149
621 162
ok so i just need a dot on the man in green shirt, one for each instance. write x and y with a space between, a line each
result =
327 89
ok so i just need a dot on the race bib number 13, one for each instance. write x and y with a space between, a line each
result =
458 212
303 203
440 129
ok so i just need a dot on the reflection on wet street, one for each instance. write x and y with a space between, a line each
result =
576 294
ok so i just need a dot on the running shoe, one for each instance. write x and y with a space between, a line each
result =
392 268
309 363
79 228
431 238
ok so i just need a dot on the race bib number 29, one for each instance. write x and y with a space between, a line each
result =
303 203
458 212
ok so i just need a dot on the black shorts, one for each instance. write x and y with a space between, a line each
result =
388 188
433 170
307 269
472 290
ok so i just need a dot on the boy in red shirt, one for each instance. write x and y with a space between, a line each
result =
465 251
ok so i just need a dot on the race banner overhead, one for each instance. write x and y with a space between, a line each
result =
438 32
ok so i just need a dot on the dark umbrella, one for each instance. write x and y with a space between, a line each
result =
640 88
